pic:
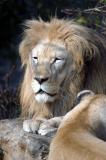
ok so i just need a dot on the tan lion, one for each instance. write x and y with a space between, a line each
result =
82 133
61 58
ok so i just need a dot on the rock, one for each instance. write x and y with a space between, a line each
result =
15 144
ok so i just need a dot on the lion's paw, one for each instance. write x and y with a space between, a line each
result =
49 127
31 125
46 130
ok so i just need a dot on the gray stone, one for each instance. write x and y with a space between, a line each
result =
15 144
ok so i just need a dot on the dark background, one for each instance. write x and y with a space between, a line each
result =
13 13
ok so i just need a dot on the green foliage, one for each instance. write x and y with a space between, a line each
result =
103 1
82 20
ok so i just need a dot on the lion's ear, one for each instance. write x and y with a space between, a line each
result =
91 52
34 32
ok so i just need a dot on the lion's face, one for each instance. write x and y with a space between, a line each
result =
50 67
60 58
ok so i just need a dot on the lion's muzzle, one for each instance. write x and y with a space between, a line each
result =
45 91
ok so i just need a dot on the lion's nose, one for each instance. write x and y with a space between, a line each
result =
41 80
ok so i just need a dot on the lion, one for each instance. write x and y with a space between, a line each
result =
60 58
82 132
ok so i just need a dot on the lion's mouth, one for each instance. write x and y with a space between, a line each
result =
42 92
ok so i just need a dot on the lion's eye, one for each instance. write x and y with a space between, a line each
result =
35 59
57 60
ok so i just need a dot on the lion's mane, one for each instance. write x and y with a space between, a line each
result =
87 48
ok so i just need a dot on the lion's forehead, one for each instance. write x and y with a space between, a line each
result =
49 50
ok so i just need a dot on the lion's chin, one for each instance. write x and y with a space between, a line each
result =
44 98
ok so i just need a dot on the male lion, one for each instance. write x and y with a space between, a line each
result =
60 58
82 133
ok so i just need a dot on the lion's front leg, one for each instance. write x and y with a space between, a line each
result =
50 126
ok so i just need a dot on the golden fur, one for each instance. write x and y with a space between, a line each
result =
85 67
82 133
